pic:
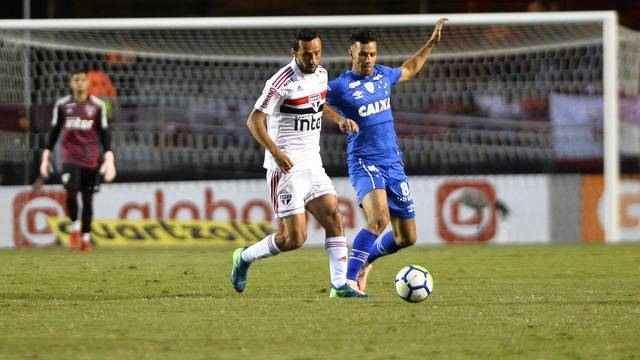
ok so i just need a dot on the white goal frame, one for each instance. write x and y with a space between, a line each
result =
608 19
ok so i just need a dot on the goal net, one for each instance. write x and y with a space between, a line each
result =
501 94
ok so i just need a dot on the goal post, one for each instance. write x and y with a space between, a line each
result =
169 50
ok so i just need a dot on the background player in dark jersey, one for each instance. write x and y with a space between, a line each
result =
82 120
375 163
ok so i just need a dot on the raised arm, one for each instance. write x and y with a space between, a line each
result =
256 125
413 64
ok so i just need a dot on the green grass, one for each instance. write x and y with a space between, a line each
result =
492 302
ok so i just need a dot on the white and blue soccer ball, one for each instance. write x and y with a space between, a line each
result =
414 283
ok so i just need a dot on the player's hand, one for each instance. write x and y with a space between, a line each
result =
45 168
348 126
437 32
282 160
108 168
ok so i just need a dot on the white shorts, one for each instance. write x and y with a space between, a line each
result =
290 192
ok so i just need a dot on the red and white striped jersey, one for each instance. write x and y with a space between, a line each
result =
80 124
293 102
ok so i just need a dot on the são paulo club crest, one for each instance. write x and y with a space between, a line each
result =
91 111
285 199
315 100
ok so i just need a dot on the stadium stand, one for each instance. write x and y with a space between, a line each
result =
481 104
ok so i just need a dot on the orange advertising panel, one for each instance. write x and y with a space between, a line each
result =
592 212
31 210
466 211
592 187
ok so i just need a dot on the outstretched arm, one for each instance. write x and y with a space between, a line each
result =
346 125
255 123
413 65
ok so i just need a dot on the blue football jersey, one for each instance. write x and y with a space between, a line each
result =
367 101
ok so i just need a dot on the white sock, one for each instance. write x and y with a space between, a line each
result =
337 250
264 248
75 225
86 237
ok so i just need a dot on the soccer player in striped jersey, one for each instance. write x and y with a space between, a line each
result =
286 121
82 120
375 163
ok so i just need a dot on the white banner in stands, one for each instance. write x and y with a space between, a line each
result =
496 209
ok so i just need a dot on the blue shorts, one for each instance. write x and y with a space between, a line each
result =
365 177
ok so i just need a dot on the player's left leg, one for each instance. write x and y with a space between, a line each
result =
325 210
87 218
403 235
322 203
90 184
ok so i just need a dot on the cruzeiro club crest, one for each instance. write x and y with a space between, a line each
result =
285 199
369 86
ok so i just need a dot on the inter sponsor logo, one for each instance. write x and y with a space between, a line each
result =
374 107
307 124
76 123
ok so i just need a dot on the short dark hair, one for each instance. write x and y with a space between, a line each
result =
363 36
77 71
304 34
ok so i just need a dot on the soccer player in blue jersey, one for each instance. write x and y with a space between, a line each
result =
374 158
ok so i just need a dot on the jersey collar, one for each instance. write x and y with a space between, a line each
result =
362 77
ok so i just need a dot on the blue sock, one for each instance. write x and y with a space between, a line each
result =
359 252
386 245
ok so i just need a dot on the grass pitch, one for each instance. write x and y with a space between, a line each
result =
492 302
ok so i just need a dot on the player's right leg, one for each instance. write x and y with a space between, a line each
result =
291 238
71 181
286 193
368 181
377 214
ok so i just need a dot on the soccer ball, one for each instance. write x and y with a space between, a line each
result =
414 283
